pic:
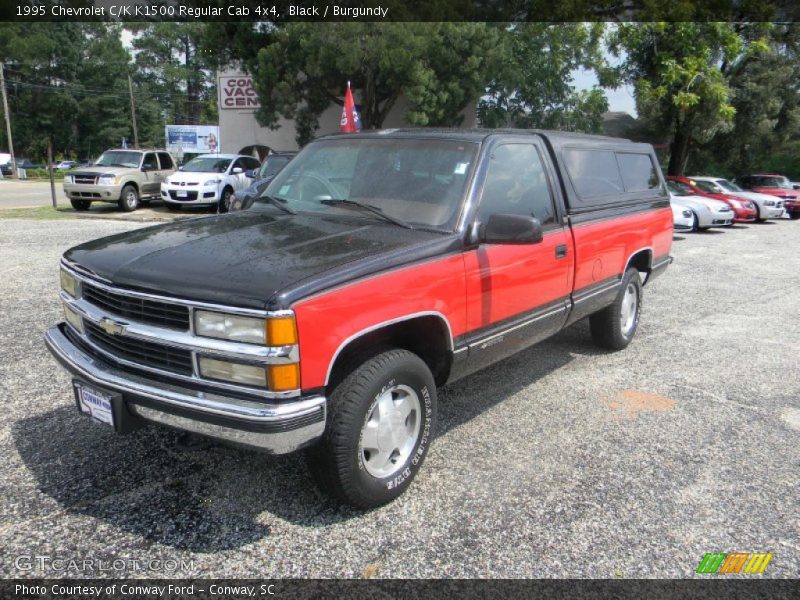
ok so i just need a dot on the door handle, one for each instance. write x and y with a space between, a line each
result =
561 251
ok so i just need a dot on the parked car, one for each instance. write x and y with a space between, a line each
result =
744 211
682 217
767 207
22 163
706 212
774 185
375 267
65 165
124 176
209 179
272 165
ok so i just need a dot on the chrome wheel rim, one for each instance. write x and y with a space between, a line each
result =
130 199
390 431
630 302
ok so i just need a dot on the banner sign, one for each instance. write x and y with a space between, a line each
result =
192 139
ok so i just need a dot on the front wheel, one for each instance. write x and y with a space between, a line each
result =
80 205
758 215
225 200
614 326
130 199
381 418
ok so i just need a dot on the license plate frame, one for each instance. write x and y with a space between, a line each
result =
181 193
96 403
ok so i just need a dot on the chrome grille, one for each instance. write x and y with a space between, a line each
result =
141 352
85 179
153 312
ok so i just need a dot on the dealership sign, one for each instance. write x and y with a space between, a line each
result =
237 92
192 139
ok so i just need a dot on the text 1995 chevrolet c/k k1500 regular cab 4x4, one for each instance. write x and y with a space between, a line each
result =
374 268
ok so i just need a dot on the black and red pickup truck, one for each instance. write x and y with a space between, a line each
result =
373 269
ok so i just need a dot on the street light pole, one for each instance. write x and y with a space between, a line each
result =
8 119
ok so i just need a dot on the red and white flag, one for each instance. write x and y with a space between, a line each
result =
349 123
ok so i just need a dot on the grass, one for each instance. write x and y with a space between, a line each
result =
38 213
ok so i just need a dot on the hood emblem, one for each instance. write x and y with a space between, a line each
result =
112 327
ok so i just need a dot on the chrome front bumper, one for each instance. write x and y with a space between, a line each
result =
278 427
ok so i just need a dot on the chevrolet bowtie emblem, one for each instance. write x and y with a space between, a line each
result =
112 327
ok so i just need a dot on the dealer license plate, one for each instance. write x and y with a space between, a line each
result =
181 193
95 403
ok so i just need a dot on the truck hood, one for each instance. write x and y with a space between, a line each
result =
255 259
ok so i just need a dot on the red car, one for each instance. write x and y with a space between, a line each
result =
744 210
774 185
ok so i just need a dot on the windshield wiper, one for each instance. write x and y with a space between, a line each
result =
280 203
368 207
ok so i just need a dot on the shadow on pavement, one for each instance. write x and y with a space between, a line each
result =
194 494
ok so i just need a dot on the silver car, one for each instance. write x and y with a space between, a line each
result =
706 212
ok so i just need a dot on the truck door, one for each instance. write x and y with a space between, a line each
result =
518 294
151 183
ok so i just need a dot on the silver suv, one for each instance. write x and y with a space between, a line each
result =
124 176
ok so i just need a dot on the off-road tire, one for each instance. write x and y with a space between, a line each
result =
129 199
337 461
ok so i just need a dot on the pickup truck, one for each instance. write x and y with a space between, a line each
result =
374 268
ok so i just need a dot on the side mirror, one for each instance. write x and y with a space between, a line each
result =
796 186
236 170
251 173
148 167
511 229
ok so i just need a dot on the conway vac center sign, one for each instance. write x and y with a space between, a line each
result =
237 92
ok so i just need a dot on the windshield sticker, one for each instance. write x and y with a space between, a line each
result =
461 168
284 190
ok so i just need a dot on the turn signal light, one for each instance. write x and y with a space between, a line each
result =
281 331
283 378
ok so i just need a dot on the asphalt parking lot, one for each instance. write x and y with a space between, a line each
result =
563 461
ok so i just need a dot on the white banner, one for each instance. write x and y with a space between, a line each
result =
203 139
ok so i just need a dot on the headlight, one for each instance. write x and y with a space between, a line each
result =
69 179
69 284
73 318
687 214
230 327
280 331
107 180
232 371
769 203
211 182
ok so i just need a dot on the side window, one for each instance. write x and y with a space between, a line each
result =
149 163
239 164
251 163
166 161
593 172
516 183
638 172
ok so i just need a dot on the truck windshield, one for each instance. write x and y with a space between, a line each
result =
415 181
120 158
773 182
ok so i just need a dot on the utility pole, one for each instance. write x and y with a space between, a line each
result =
8 119
133 114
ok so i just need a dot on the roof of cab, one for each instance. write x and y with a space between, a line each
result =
476 135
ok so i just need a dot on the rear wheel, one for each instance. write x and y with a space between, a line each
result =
794 216
380 422
614 326
80 204
695 222
758 214
130 199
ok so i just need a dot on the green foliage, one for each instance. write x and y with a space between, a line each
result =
301 69
533 82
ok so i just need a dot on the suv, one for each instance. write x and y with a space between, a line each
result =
774 185
374 268
124 176
209 179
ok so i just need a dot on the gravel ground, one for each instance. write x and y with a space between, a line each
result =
562 461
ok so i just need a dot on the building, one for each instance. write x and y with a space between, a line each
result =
241 133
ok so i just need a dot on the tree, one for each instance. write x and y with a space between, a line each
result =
534 82
65 82
173 68
302 68
679 79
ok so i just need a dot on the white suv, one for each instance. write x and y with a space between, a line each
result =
208 179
